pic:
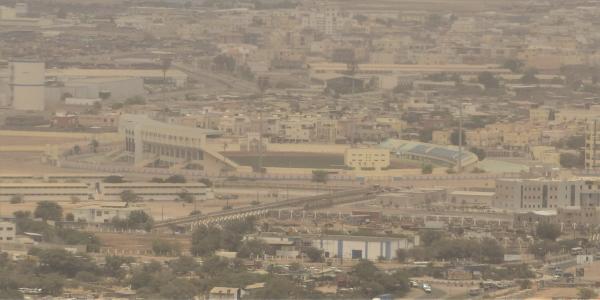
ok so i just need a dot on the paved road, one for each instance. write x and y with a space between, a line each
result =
418 293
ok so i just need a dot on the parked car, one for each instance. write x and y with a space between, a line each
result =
426 288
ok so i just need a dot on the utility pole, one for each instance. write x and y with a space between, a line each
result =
263 84
460 140
260 135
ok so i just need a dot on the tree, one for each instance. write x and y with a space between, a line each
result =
76 149
429 236
360 18
524 284
129 196
224 62
426 135
113 264
183 265
401 255
491 251
277 288
206 182
165 64
51 284
575 142
175 179
320 176
547 231
85 276
586 293
541 248
61 13
69 217
15 199
426 169
178 289
94 145
113 179
479 152
205 240
454 138
164 247
48 210
185 196
263 84
529 77
488 80
137 219
514 65
364 270
214 265
252 249
63 262
570 160
314 254
371 281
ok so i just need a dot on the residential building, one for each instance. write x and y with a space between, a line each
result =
367 158
105 212
8 231
592 144
225 293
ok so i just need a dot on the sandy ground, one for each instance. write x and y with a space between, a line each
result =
29 163
29 141
428 5
555 293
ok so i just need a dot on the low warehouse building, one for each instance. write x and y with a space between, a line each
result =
362 247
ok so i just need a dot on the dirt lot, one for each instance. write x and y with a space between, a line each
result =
34 141
556 293
28 163
456 6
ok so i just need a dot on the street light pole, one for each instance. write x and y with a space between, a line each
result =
460 139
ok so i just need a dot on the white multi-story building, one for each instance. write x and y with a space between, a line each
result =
543 193
592 144
327 20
